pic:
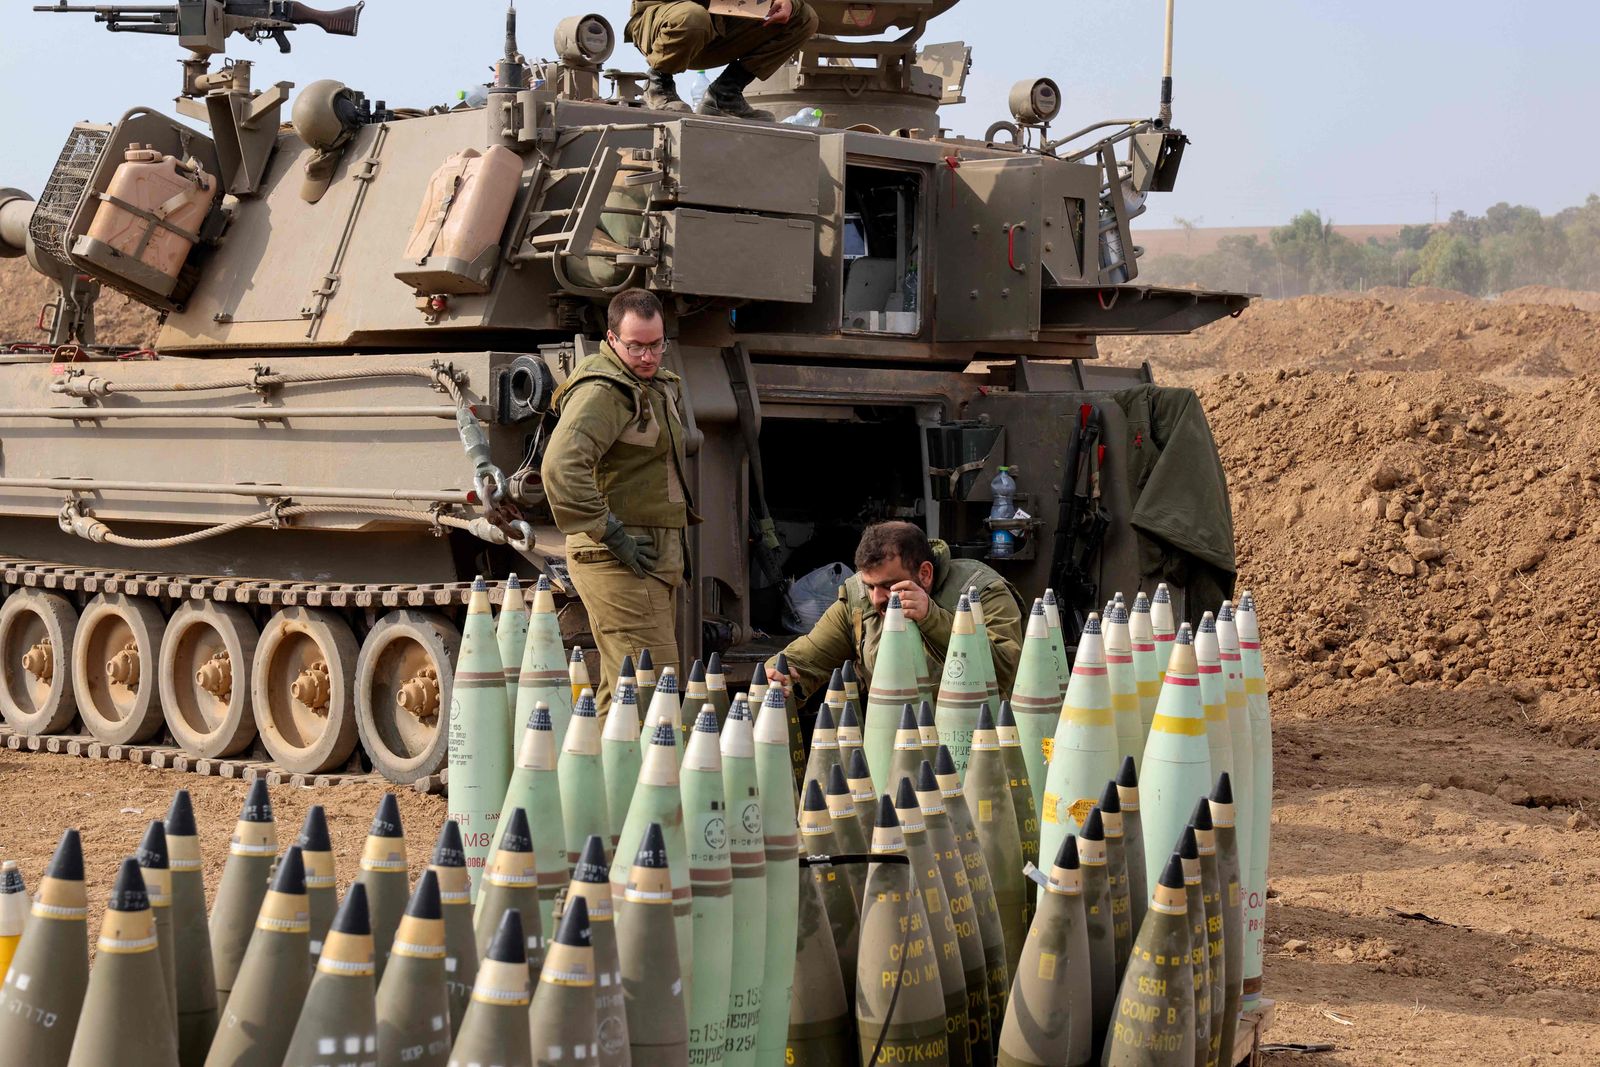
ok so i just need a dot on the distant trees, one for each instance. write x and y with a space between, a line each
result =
1508 246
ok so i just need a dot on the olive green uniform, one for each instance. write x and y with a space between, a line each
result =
618 450
851 626
680 35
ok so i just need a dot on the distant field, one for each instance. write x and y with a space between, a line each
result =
1204 239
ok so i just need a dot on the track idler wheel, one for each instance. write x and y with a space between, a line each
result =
114 668
36 637
403 681
301 687
205 678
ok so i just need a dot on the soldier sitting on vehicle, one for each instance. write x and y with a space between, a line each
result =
898 558
680 35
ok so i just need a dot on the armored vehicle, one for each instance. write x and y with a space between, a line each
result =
255 539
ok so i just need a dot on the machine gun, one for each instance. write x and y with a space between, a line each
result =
203 25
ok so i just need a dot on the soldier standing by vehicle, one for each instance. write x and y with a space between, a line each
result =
680 35
613 474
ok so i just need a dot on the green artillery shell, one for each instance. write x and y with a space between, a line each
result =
1098 919
658 1020
154 867
13 912
928 730
717 689
985 649
908 752
1122 929
1083 753
591 883
322 888
620 757
824 746
1147 667
852 687
756 694
1194 899
1162 626
848 836
797 737
536 787
1049 1017
894 686
821 1024
581 773
197 985
646 678
543 675
339 1023
480 759
1177 762
511 637
449 866
781 838
848 732
1260 809
1213 696
1154 1021
1211 894
1123 680
1021 789
991 933
859 775
1242 779
1058 643
1036 697
1133 842
988 791
657 799
578 678
42 994
664 705
705 823
840 905
897 953
413 1006
512 882
962 686
126 1020
273 979
747 856
695 696
496 1027
561 1020
385 874
925 869
833 696
963 915
1226 834
251 853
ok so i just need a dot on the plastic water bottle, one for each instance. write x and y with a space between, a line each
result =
698 88
1003 490
806 116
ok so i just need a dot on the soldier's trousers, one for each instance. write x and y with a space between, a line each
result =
680 36
626 613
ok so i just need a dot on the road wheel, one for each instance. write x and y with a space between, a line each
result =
115 668
36 635
205 678
403 681
300 690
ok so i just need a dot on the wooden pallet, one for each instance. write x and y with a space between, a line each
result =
1252 1033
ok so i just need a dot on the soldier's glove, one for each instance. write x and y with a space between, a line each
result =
638 554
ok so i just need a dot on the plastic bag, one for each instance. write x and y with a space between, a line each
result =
812 594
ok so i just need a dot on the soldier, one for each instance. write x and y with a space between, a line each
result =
897 557
680 35
614 474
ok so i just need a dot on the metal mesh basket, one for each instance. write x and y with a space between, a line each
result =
68 183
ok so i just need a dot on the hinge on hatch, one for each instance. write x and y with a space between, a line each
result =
320 297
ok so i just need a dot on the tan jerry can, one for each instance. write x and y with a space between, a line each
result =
150 216
454 245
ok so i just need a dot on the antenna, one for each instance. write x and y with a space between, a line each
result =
1166 72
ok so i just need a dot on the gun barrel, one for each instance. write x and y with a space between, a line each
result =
118 10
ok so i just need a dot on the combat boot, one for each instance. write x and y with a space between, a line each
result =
726 96
661 93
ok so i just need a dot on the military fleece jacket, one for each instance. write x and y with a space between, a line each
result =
618 448
851 627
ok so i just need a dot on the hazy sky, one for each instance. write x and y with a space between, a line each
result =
1367 111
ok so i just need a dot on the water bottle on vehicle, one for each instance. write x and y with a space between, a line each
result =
1003 490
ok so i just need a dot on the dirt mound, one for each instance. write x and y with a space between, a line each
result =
1581 299
1508 342
118 320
